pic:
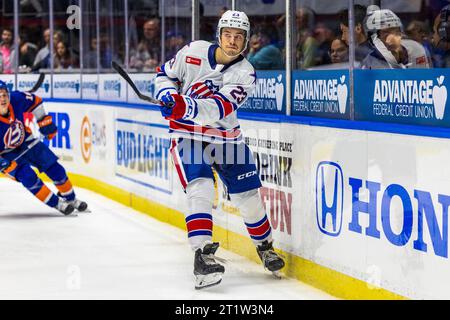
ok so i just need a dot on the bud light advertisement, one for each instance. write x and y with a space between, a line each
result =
403 96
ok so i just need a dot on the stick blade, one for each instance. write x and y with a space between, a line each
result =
38 83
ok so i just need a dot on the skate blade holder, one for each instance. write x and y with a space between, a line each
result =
277 274
207 280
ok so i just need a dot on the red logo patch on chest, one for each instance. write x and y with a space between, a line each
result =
421 60
192 60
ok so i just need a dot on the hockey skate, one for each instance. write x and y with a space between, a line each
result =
79 205
207 271
64 207
270 259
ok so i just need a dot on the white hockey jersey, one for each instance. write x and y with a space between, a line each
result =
382 58
216 91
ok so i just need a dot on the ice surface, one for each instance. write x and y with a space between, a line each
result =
113 252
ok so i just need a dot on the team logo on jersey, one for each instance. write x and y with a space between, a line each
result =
15 135
192 60
202 89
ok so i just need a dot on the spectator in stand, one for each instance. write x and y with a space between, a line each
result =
363 45
307 46
42 59
339 51
90 59
44 52
175 40
147 54
264 55
27 53
64 59
324 37
441 39
391 49
7 52
207 30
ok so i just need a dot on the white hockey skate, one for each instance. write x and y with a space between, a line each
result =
207 271
79 205
64 207
271 260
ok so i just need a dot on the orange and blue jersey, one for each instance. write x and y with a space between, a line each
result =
13 131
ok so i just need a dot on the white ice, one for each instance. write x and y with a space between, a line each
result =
113 252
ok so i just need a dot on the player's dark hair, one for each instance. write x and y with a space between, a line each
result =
360 15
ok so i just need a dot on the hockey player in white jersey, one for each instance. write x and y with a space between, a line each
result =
391 49
201 88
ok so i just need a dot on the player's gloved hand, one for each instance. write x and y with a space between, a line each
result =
7 166
47 127
175 106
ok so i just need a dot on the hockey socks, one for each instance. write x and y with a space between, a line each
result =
199 227
260 231
254 214
59 177
199 220
30 180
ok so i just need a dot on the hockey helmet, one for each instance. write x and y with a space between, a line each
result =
234 19
380 19
3 86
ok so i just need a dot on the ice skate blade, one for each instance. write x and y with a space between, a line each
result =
208 280
277 275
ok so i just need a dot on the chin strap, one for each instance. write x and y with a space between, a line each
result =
387 54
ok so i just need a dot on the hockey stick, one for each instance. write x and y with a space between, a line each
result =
38 84
29 147
127 78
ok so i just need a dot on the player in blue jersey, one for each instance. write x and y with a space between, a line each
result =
20 150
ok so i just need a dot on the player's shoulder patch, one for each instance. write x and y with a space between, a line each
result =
193 60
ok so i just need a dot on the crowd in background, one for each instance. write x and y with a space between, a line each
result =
321 41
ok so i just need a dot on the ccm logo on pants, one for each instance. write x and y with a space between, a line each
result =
247 175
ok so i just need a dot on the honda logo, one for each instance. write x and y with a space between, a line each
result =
329 197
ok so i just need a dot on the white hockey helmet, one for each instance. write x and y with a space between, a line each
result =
380 19
234 19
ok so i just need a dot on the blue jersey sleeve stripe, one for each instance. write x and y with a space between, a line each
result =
163 71
220 107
